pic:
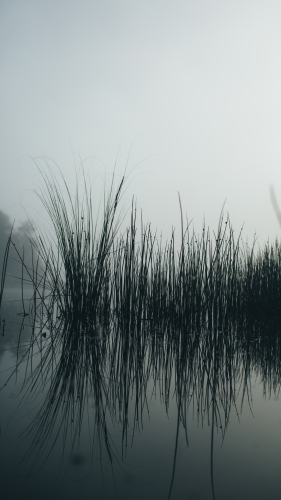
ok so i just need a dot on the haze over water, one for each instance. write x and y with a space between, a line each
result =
146 374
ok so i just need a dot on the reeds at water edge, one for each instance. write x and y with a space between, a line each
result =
90 280
89 273
4 266
111 312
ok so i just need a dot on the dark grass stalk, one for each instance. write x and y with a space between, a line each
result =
4 266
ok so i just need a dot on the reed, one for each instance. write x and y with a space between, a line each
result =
111 312
90 274
75 263
4 266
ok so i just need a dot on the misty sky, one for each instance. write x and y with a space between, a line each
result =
192 86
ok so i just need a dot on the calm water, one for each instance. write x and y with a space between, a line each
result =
147 427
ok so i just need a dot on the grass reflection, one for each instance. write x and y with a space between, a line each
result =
115 321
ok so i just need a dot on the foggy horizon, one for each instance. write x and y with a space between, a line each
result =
187 93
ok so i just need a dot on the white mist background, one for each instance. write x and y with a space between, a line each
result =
188 92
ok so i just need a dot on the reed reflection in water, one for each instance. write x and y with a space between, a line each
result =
105 384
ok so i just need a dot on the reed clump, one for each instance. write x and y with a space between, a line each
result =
90 274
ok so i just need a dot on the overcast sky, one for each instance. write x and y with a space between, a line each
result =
195 85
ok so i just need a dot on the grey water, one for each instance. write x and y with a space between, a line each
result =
155 443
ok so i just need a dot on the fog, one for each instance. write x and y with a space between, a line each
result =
186 93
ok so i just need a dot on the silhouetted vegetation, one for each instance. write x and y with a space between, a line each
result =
112 313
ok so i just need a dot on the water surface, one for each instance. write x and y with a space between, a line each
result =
154 419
